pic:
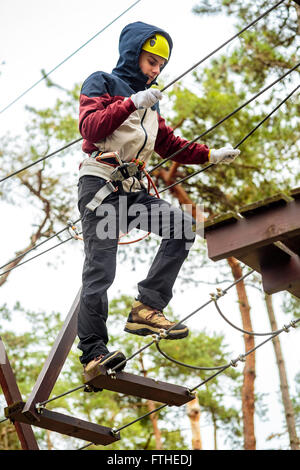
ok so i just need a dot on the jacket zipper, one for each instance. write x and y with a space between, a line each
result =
143 146
146 135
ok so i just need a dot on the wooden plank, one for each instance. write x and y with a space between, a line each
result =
12 393
63 424
220 221
293 244
55 361
280 199
285 275
143 387
246 235
295 193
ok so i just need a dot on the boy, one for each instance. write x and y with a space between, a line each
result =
120 121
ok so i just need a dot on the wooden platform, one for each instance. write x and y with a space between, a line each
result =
265 236
143 387
63 424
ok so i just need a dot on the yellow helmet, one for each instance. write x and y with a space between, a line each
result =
158 45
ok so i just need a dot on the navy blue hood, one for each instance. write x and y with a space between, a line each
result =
132 38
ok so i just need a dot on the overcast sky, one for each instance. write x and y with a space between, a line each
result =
37 35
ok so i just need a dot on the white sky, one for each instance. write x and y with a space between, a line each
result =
39 34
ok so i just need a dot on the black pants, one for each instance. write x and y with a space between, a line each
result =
123 211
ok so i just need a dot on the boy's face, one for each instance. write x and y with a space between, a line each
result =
150 64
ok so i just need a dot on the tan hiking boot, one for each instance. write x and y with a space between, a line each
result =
144 320
109 360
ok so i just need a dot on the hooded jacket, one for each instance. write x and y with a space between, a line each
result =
110 122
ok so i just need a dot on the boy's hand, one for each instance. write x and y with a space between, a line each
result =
223 155
146 98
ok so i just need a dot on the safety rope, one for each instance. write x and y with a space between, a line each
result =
69 57
167 86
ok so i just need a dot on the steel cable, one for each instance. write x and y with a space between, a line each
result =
67 58
164 189
224 119
167 86
232 363
182 180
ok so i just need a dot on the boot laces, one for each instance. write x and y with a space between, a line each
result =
155 313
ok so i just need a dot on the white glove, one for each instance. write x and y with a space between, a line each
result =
146 98
223 155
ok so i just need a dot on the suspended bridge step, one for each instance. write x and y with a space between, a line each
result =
63 424
264 235
143 387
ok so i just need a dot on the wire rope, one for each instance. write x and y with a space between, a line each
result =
67 58
232 363
162 190
225 118
167 86
223 44
182 180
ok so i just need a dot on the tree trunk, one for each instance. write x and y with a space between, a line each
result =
287 403
194 414
154 416
215 431
248 400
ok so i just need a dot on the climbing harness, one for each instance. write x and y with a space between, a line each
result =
122 172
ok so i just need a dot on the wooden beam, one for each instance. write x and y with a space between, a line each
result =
55 361
143 387
64 424
284 276
246 235
12 394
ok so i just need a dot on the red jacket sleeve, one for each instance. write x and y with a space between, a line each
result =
167 143
101 116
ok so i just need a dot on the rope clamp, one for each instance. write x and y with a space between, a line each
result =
112 373
73 231
234 362
162 334
39 407
156 338
220 292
